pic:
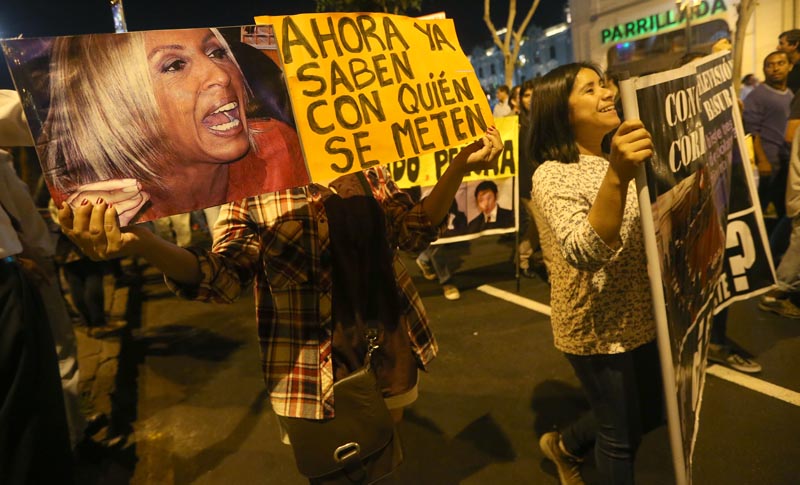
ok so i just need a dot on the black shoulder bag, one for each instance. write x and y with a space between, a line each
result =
360 444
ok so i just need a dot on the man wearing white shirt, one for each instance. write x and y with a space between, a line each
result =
502 108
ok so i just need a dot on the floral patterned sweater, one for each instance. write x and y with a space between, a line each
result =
600 296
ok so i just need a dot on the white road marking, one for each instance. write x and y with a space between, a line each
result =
754 384
730 375
515 299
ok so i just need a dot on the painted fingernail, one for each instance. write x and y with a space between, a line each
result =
99 201
110 205
84 201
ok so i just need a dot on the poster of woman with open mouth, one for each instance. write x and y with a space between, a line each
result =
160 122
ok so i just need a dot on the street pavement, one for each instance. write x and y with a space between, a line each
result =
191 392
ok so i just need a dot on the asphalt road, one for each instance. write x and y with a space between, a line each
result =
497 384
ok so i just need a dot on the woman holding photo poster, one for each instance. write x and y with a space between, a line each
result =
602 315
166 115
325 263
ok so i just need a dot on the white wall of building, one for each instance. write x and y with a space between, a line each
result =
770 18
542 51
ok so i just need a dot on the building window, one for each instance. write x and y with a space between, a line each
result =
662 51
552 52
492 69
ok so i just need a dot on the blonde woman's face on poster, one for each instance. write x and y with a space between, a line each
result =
199 92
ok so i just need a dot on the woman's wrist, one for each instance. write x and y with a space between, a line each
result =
141 241
459 165
615 179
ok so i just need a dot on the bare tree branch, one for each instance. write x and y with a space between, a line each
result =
518 35
509 56
488 21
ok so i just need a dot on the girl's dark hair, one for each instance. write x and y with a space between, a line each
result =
551 136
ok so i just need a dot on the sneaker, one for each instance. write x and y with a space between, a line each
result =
723 356
95 422
89 451
451 292
427 270
782 307
568 466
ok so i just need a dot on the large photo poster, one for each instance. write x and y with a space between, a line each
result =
159 122
690 114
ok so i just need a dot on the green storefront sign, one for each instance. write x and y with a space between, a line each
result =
660 21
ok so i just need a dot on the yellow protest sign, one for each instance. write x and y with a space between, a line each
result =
369 89
425 170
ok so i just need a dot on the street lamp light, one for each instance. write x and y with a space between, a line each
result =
118 13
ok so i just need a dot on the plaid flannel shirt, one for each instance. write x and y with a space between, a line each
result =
281 241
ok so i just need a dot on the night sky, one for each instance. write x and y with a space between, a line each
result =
36 18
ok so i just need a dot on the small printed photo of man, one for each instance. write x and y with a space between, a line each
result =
490 214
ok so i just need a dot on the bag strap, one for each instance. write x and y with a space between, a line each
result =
372 341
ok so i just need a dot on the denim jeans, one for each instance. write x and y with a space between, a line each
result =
788 270
85 278
626 398
529 239
719 328
434 256
772 188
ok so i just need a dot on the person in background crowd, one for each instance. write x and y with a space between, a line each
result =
34 432
432 263
602 315
85 280
612 83
749 83
176 228
502 108
530 253
211 214
789 42
785 299
513 100
794 120
766 114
